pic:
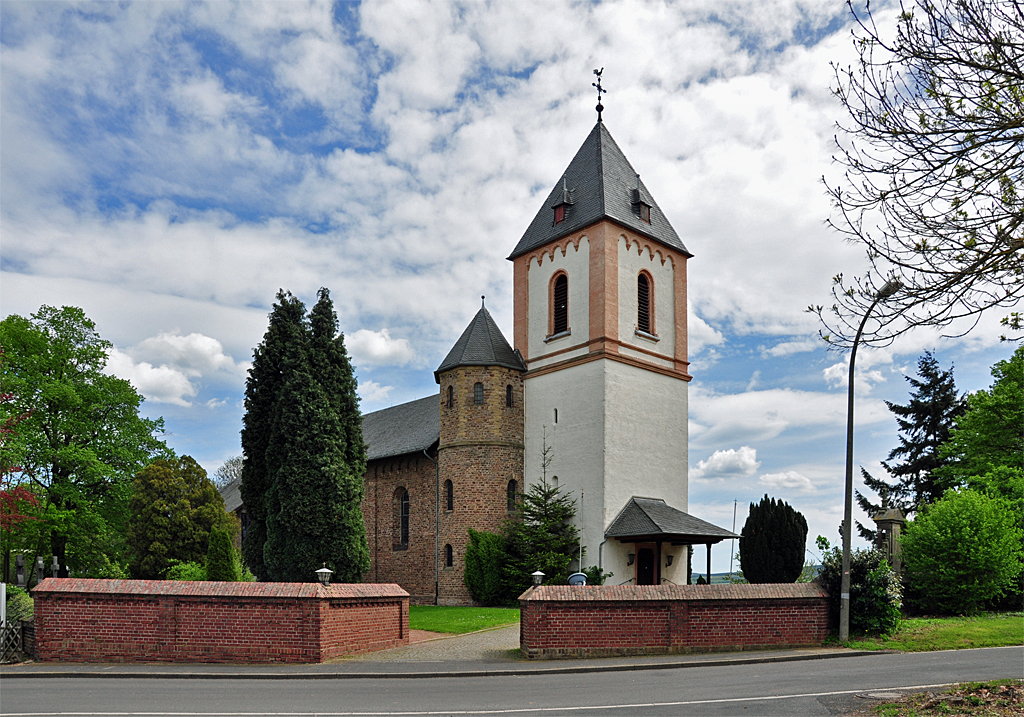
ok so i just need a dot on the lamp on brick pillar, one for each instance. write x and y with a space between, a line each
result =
324 575
538 578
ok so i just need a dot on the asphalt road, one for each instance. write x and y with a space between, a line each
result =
815 687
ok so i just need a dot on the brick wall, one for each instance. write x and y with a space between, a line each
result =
86 620
565 621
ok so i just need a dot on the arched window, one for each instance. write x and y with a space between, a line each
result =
643 304
400 527
508 396
560 305
449 495
511 496
451 397
449 559
478 393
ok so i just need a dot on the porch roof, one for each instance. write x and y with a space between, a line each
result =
652 519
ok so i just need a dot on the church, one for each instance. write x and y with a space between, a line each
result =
593 384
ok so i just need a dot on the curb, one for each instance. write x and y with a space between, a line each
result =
573 670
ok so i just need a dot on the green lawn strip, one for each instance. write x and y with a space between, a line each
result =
459 620
950 633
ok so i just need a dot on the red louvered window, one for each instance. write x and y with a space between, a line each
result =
559 214
561 308
643 311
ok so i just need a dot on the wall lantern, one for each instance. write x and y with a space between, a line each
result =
668 560
538 578
630 558
324 575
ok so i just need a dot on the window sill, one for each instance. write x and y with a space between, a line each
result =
559 335
645 335
400 546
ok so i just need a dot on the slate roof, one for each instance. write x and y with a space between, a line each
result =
232 495
407 428
653 517
481 344
600 181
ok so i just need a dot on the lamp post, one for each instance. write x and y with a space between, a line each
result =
890 288
324 575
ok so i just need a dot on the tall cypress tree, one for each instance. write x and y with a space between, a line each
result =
261 394
772 543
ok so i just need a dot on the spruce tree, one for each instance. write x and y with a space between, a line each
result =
544 539
884 492
261 391
220 558
924 423
772 543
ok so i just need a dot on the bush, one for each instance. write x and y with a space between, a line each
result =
875 592
19 605
772 543
185 571
595 575
962 552
220 557
483 576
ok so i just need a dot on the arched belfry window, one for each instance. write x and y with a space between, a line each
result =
511 496
643 304
449 495
478 393
560 305
451 397
449 558
508 396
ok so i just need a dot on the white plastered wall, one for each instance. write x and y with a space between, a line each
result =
576 263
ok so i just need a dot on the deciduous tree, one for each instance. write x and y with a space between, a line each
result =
934 167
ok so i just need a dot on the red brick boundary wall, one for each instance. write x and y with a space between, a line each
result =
175 621
595 621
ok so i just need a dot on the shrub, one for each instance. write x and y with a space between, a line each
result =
962 552
595 575
220 557
483 576
772 543
186 571
19 605
875 592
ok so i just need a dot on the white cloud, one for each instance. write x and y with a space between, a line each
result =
160 384
729 463
789 480
372 392
788 348
377 348
194 355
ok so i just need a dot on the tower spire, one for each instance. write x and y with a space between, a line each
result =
600 91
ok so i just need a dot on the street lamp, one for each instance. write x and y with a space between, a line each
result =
538 578
890 288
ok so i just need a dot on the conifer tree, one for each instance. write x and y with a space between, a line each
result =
772 543
220 557
261 390
884 492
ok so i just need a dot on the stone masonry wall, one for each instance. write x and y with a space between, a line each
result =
563 621
85 620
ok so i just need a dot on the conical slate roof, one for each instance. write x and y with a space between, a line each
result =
600 183
652 517
481 344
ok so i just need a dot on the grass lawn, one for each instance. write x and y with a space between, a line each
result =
949 633
438 618
991 699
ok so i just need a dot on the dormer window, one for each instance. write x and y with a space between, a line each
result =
559 214
564 201
641 208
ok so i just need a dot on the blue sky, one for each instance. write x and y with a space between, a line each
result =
168 166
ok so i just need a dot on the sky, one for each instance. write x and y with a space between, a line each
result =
167 167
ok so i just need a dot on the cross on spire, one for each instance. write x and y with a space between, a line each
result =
600 91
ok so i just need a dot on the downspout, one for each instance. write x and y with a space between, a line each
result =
437 519
600 548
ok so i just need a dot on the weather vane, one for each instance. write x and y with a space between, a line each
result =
600 91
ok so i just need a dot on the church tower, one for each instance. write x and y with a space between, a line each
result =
480 451
600 321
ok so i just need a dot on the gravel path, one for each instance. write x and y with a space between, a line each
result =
494 645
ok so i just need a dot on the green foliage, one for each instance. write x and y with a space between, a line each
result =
81 439
962 552
173 509
220 558
459 620
483 574
302 480
948 633
772 543
989 436
19 604
228 472
876 596
185 571
544 539
595 575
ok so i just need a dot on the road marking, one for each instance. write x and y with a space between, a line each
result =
515 710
